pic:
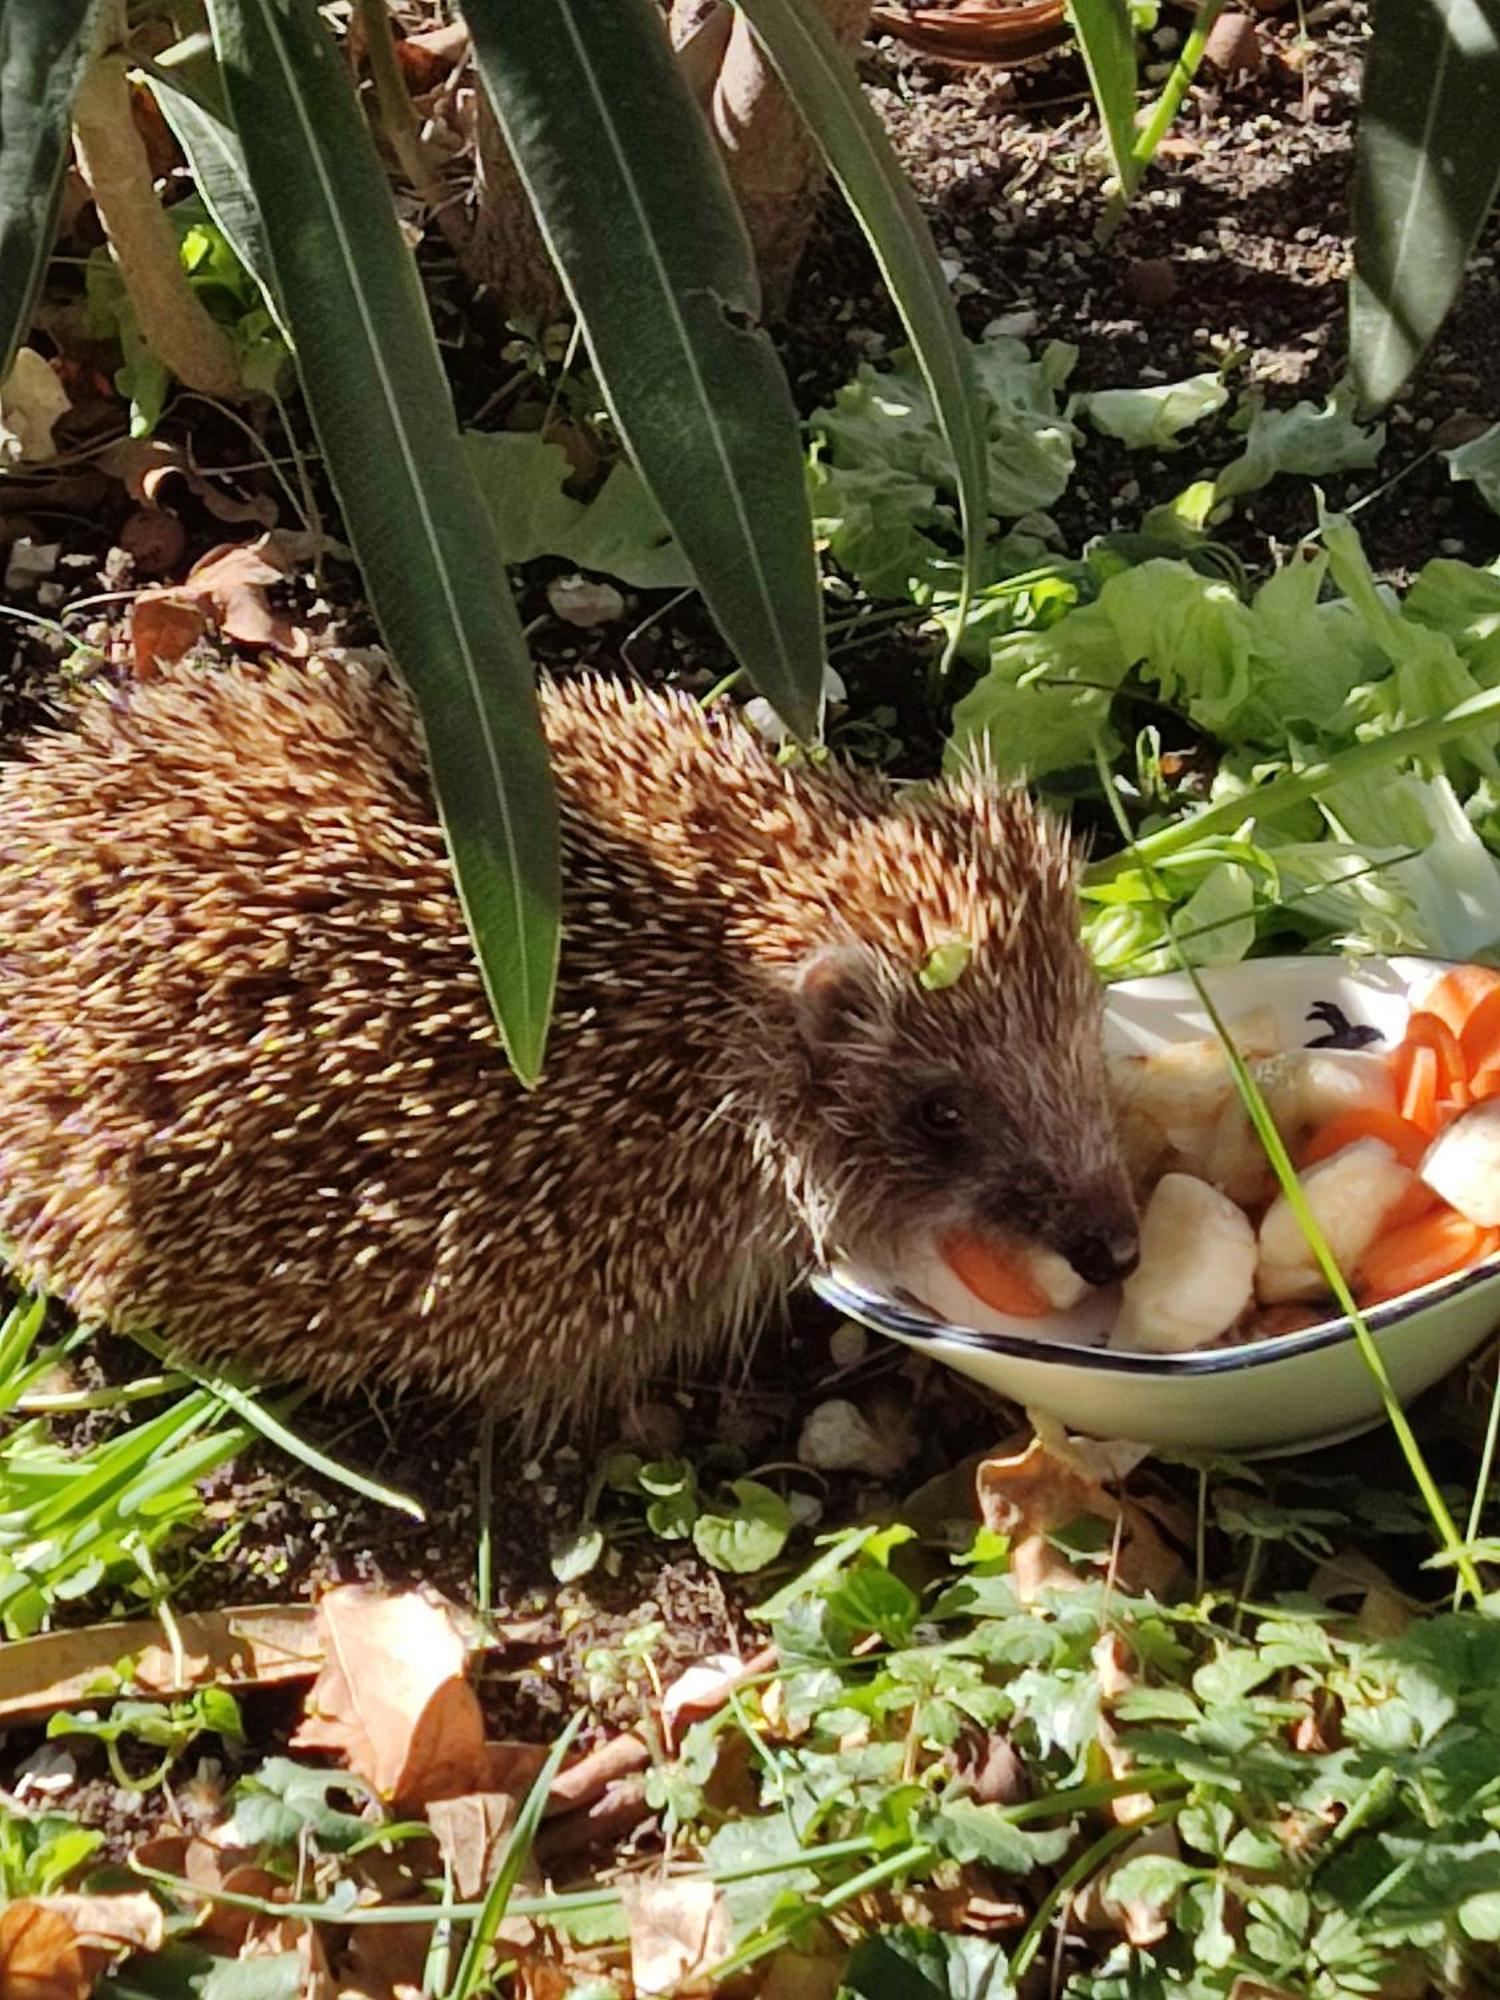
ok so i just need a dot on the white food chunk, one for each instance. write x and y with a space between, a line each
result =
1350 1196
1462 1164
1197 1269
1182 1088
1303 1089
930 1278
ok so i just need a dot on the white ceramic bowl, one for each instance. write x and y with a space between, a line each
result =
1286 1394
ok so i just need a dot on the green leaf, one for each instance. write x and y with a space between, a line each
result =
1158 415
1106 36
201 125
967 1831
619 532
753 1535
820 79
1303 439
1426 172
381 409
640 221
275 1976
579 1554
44 45
909 1964
1479 461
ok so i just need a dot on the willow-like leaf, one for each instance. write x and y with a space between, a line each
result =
1427 170
820 80
638 216
375 391
44 45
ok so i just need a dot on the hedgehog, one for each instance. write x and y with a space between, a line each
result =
253 1101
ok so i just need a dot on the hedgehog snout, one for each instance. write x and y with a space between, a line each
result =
1101 1256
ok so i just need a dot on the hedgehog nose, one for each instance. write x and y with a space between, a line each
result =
1101 1257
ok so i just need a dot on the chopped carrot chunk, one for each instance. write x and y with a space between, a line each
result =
1002 1282
1407 1141
1459 992
1433 1247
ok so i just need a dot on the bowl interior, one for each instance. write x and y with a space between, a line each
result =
1143 1015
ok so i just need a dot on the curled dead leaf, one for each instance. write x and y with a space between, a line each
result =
224 592
679 1930
1054 1482
55 1947
392 1700
1139 1921
472 1835
32 399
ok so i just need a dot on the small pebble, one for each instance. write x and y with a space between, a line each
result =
584 601
1234 46
847 1344
1150 281
837 1437
29 563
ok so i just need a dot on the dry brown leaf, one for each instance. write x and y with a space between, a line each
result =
392 1700
255 1645
223 592
679 1931
55 1947
32 399
1383 1612
588 1777
699 1690
384 1961
1139 1923
145 465
986 1762
1051 1484
472 1835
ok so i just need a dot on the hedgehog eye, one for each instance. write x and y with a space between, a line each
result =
940 1115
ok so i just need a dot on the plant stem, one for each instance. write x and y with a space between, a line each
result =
1295 788
398 121
1087 1863
1486 1467
1165 109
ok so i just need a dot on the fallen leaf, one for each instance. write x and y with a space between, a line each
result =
1053 1483
223 592
679 1930
1140 1919
392 1700
31 401
588 1777
472 1833
55 1947
253 1646
384 1962
286 1937
145 465
618 1810
699 1690
987 1764
800 1975
578 600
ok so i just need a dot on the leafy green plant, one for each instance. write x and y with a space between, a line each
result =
170 1727
738 1524
40 1852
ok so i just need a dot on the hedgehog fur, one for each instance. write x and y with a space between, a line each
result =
251 1096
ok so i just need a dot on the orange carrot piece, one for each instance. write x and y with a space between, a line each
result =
1423 1251
1001 1282
1479 1037
1419 1200
1426 1031
1456 995
1419 1089
1408 1142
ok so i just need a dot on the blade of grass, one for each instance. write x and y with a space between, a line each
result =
381 409
275 1430
637 213
1106 38
821 81
1159 121
1291 1188
44 48
472 1969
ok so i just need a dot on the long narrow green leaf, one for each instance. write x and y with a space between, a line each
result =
820 80
1106 36
191 100
44 45
1427 170
377 398
640 221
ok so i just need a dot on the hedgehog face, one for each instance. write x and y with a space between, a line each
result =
982 1107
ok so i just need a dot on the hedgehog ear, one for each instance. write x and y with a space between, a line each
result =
830 987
